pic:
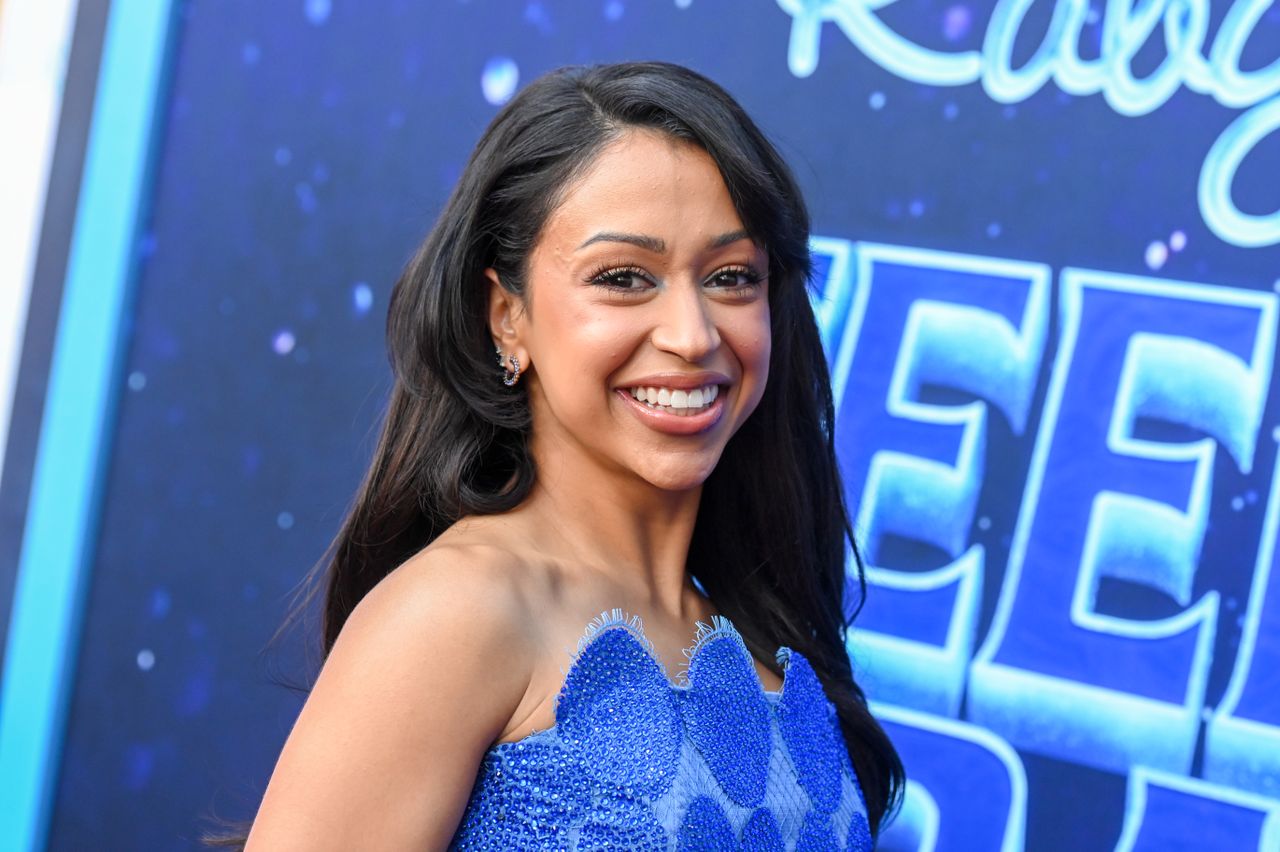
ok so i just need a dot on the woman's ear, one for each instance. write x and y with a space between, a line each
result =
504 310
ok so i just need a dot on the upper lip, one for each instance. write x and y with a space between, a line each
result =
683 381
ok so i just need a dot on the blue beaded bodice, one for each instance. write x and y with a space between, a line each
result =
635 761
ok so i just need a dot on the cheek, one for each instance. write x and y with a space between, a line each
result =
581 342
751 337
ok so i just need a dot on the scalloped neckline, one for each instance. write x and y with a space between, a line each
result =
720 626
704 633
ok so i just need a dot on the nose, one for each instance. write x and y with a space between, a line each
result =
685 326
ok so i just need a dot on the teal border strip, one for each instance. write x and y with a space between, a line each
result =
79 417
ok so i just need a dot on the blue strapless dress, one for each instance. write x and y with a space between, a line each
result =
634 761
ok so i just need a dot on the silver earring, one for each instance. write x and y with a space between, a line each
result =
509 377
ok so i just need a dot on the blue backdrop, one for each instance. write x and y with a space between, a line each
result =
1049 258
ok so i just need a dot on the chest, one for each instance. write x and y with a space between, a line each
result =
636 762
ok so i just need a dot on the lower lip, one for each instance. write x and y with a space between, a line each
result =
676 424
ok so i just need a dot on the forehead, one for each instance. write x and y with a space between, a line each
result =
644 182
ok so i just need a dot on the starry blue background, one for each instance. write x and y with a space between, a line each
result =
306 148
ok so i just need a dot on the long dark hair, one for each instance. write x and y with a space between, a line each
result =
772 535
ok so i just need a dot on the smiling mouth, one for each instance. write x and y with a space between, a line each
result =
677 401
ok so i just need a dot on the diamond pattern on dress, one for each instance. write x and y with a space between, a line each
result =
617 713
706 828
806 727
726 714
635 761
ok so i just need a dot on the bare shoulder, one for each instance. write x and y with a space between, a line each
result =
455 618
480 590
424 674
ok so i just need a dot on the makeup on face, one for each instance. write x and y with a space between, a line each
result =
649 329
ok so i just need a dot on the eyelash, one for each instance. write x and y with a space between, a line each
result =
605 275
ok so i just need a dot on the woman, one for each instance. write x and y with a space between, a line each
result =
610 400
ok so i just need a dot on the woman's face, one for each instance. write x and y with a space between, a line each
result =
645 325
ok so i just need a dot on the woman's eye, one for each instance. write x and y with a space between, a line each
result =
735 279
629 279
622 279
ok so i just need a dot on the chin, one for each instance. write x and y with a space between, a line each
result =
677 485
680 474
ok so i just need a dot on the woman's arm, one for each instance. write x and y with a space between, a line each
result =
424 675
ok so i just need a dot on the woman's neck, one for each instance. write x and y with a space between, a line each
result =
615 523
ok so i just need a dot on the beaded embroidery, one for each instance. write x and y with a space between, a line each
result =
635 761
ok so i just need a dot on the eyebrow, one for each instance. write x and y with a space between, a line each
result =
656 244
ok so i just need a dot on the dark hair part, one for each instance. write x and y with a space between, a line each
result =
772 535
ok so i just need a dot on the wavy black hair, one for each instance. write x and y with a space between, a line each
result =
772 536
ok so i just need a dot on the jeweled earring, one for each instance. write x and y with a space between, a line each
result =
509 377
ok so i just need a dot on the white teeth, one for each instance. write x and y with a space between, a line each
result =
677 400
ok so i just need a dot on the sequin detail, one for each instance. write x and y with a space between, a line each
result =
816 834
859 833
620 822
734 736
706 828
761 833
804 713
618 714
520 805
635 761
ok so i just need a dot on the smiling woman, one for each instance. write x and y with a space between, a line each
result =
655 439
667 303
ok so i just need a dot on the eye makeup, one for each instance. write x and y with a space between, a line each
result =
613 275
